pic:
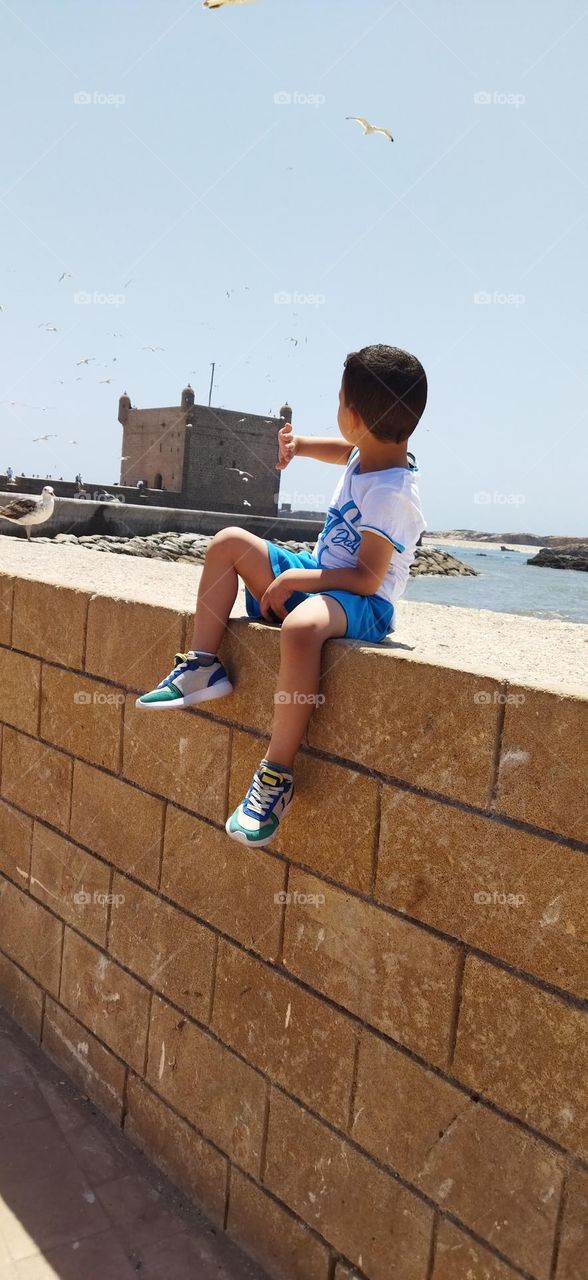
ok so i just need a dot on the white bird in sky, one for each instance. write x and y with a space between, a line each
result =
371 128
72 442
38 439
245 475
217 4
65 275
103 381
30 511
153 348
86 360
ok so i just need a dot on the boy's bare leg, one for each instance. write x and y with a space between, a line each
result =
232 553
303 635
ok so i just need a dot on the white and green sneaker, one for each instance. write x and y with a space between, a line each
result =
190 682
257 818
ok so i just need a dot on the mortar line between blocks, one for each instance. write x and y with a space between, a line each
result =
354 1079
265 1133
376 841
457 994
493 789
559 1225
213 980
433 1249
227 1196
229 769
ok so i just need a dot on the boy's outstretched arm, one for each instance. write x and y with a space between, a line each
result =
326 449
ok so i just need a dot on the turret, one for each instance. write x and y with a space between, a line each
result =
124 405
286 412
187 401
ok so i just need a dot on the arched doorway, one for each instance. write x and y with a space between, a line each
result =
158 482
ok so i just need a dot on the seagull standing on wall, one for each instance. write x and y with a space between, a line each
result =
370 128
30 511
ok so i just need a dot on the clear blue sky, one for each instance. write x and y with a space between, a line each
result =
185 176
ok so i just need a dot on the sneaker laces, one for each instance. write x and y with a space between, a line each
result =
262 796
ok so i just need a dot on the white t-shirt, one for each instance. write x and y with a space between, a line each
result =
386 503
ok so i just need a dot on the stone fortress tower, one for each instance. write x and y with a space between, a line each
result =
190 449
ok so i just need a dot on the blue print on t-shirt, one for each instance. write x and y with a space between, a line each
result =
339 528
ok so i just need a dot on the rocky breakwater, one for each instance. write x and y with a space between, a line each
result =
190 548
562 558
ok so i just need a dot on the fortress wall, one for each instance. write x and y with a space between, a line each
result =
153 444
363 1052
218 440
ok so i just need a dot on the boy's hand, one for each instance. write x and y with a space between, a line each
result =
273 601
287 446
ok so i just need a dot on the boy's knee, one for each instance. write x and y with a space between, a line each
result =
231 538
298 626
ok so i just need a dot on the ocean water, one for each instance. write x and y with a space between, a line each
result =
507 584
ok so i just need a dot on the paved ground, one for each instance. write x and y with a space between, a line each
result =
78 1201
546 655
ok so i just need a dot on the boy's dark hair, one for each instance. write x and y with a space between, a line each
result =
388 388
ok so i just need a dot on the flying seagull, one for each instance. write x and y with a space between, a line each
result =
216 4
36 439
104 381
245 475
29 511
153 348
65 275
86 360
370 128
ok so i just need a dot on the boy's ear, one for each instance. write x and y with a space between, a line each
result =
356 420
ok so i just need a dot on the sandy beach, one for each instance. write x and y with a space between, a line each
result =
471 544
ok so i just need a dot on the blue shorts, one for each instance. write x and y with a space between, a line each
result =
369 618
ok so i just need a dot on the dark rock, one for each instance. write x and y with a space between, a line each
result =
562 558
190 548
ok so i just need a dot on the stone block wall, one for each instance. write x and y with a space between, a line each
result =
153 448
362 1051
218 440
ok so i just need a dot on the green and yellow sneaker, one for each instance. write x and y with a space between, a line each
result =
258 817
189 683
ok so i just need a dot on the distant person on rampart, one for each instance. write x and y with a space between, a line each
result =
348 587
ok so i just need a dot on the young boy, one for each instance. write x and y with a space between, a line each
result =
347 587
